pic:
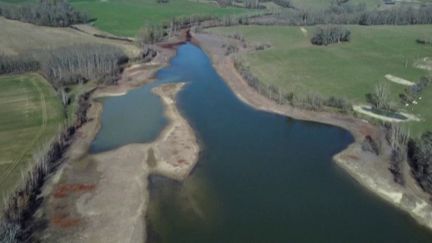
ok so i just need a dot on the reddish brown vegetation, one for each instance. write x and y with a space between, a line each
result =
63 190
366 130
182 161
350 157
64 221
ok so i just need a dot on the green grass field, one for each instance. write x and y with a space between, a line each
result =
322 4
349 70
30 115
370 4
126 17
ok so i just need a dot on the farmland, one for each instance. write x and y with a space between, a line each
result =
349 70
30 115
127 17
322 4
17 38
31 112
370 4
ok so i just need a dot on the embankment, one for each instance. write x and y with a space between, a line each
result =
103 197
70 150
368 169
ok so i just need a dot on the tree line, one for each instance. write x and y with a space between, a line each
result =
348 14
69 65
81 63
325 35
424 41
17 64
283 3
58 13
420 158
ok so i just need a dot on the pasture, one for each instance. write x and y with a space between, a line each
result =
30 115
349 70
370 4
322 4
126 17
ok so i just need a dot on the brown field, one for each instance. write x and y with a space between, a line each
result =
17 37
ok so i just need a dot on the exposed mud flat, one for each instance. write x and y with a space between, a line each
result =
137 75
104 197
368 169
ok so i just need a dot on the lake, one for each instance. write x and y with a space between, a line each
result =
261 177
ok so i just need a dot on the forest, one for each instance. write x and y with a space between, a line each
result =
58 13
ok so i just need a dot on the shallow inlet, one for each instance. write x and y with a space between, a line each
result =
260 178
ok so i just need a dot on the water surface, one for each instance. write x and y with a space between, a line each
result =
261 177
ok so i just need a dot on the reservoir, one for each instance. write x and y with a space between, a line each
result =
261 177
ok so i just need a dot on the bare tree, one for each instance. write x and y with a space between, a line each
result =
380 98
151 34
45 12
325 35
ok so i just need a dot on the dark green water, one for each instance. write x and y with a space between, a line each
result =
260 178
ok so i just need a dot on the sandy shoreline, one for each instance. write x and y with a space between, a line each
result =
366 168
104 197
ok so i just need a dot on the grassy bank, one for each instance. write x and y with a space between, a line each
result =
30 115
349 70
127 17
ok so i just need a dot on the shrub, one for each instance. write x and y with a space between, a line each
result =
80 63
339 103
8 232
398 140
424 41
283 3
380 99
370 145
237 36
254 4
326 35
420 157
224 3
230 49
418 88
262 46
150 34
17 64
